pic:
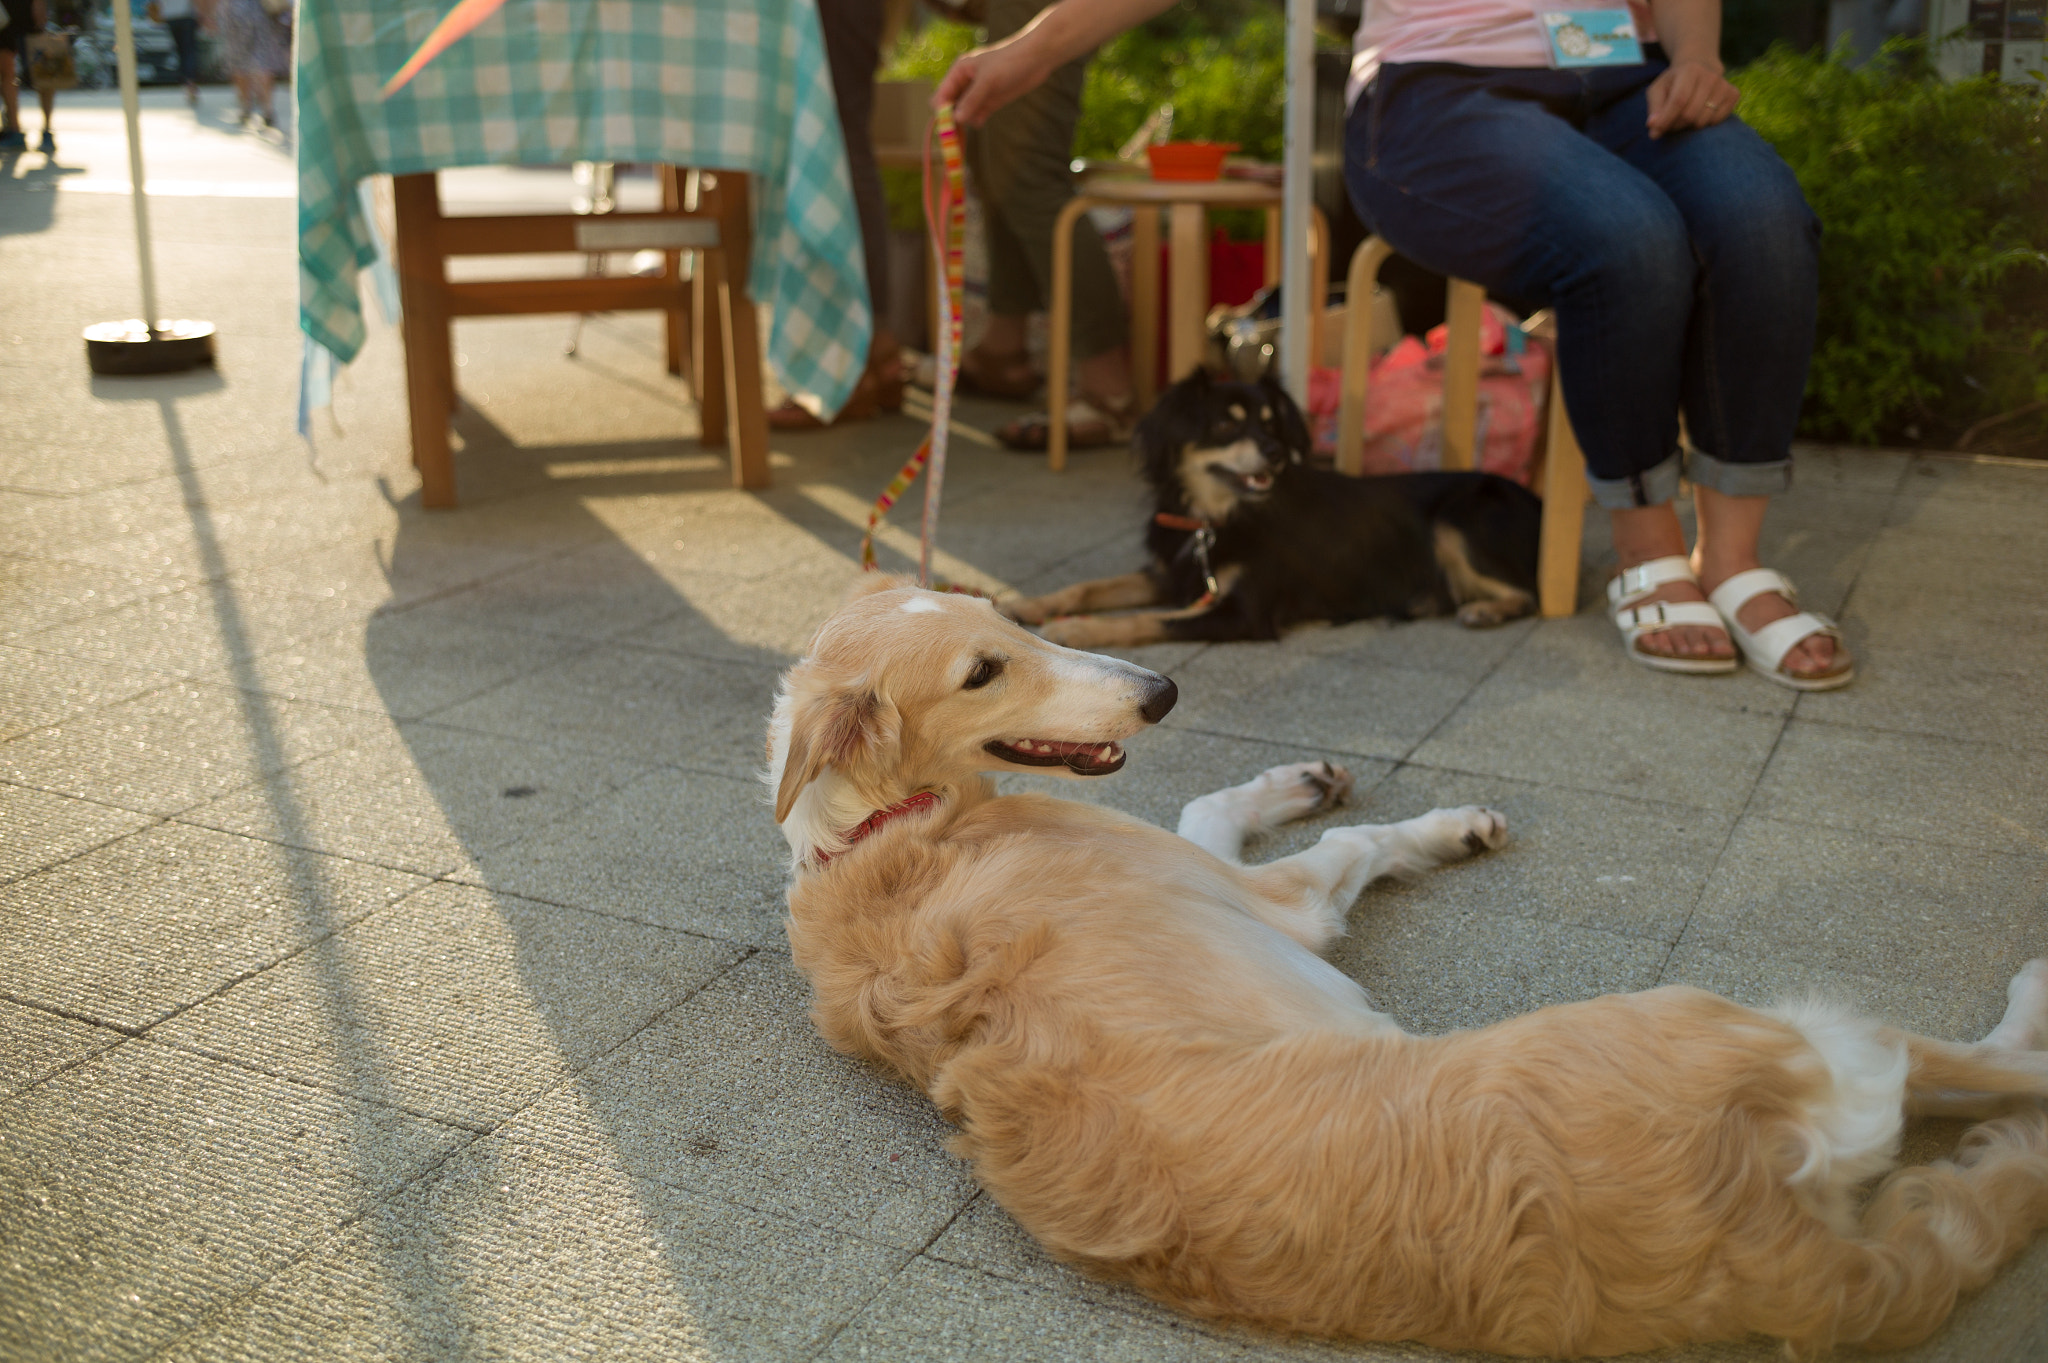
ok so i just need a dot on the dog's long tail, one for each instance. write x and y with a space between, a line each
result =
1930 1234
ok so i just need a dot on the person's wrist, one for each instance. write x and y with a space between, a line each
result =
1709 61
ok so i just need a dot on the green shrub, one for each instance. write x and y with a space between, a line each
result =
1933 199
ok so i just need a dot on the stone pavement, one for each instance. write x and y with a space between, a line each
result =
390 949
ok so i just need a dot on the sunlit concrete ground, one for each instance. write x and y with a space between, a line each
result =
390 950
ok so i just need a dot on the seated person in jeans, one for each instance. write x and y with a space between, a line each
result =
1674 244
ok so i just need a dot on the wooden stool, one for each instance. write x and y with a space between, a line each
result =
1187 203
708 216
1561 480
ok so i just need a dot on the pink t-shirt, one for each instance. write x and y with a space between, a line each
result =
1468 32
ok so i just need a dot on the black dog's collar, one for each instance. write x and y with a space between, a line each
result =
1204 540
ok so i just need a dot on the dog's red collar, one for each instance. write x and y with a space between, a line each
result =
1173 522
916 804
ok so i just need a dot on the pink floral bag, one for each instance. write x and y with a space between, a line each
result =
1404 405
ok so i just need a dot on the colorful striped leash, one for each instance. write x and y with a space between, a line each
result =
946 220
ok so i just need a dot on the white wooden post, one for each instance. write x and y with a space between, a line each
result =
1297 198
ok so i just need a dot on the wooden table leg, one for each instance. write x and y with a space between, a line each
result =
1564 511
707 339
429 363
676 337
1145 307
1059 341
1188 288
1464 306
745 408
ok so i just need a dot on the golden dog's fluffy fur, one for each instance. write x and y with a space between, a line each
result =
1156 1075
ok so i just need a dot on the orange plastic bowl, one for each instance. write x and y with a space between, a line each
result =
1188 160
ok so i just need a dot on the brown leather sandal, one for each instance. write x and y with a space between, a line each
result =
1010 377
879 389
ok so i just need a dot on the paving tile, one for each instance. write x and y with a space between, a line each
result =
767 621
599 592
425 798
175 747
154 922
148 1186
215 543
1167 767
43 829
682 849
517 1254
639 704
364 570
985 1239
36 1043
1567 708
197 632
1928 663
1942 915
43 688
936 1310
1438 966
1577 858
734 1095
37 593
1959 1003
1310 700
1974 477
460 1004
403 665
1966 794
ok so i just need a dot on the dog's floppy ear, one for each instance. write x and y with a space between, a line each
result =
1288 422
831 726
1177 419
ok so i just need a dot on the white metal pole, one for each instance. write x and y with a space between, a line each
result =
124 47
1298 197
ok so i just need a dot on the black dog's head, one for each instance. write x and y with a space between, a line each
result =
1210 446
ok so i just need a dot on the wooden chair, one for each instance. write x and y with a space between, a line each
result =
1561 478
711 322
1187 204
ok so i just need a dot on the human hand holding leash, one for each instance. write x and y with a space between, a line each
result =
987 78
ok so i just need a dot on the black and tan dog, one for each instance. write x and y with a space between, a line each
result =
1248 539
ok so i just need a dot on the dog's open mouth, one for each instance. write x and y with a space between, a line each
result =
1083 759
1257 484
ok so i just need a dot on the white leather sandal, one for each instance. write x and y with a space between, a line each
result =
1766 649
1635 617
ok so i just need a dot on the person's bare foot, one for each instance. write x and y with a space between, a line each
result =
1643 534
1812 657
1683 641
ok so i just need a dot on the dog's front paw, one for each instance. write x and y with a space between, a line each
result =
1449 834
1485 830
1300 789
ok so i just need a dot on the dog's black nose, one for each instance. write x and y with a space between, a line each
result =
1160 701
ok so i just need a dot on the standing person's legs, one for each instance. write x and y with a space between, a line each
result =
1022 157
853 50
1485 175
185 33
1751 337
10 92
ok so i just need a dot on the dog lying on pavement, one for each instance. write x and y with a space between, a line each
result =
1154 1071
1247 539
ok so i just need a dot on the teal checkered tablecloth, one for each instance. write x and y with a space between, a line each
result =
724 84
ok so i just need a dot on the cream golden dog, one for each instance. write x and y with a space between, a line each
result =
1155 1073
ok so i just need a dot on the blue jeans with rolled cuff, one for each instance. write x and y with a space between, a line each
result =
1684 271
